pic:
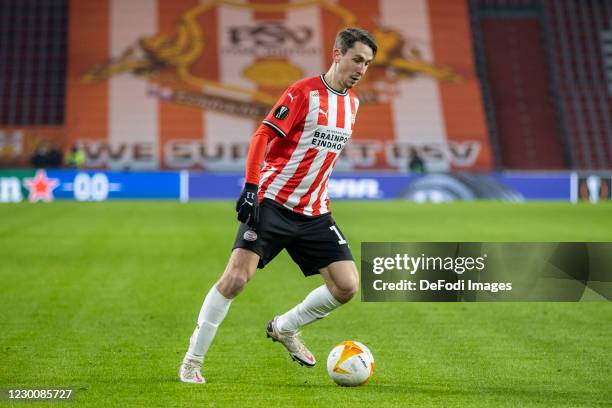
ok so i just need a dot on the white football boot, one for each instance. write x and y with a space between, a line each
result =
293 343
190 371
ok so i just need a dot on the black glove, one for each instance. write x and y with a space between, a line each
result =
247 205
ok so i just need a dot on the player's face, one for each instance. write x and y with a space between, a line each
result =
353 65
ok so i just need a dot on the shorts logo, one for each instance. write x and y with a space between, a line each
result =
281 112
250 236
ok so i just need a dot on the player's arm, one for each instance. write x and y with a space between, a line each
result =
288 111
247 205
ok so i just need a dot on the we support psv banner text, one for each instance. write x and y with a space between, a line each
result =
183 84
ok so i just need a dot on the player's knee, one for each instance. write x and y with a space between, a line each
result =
233 281
239 270
347 291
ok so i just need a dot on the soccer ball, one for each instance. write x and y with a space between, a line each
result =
350 363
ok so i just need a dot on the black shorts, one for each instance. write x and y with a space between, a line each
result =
312 242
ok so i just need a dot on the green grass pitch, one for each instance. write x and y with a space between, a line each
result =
103 297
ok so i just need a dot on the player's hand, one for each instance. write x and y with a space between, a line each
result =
247 205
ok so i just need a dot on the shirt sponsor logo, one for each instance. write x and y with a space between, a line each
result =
332 139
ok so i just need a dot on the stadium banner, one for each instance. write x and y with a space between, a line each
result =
183 84
435 187
47 185
99 185
486 271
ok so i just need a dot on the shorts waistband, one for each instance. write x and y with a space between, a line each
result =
292 214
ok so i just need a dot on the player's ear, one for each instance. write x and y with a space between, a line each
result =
336 54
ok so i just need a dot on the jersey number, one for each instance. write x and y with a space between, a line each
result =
341 240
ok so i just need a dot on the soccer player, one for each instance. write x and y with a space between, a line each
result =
284 204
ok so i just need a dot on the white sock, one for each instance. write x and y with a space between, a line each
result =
214 309
315 306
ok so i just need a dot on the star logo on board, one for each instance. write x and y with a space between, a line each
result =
40 187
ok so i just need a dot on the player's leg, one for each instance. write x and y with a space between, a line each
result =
239 270
341 279
341 283
322 249
251 250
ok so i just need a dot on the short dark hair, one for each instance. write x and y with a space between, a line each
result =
346 38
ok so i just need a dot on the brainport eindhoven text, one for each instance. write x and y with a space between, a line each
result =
422 263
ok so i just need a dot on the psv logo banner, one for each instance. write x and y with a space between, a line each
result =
161 74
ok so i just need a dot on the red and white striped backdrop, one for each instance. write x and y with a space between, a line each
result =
224 61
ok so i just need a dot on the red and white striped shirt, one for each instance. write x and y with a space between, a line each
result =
314 123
